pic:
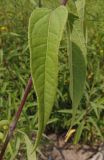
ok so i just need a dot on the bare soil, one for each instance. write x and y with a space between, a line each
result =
57 149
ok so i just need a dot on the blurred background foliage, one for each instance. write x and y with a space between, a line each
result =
15 71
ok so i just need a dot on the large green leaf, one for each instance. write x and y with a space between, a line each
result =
45 32
77 58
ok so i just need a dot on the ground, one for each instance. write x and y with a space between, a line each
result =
57 149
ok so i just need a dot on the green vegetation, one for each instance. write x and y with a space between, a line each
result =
15 72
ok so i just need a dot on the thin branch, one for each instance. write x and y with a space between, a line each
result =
16 118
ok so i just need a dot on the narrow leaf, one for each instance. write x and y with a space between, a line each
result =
1 136
80 5
91 120
30 154
45 32
16 149
95 109
79 132
69 134
77 59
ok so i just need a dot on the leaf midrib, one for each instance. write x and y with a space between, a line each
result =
46 58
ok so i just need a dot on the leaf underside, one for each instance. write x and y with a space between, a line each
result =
77 58
45 33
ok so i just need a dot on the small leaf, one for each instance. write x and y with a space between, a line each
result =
80 5
79 132
1 136
16 149
30 154
67 111
91 120
69 134
3 123
95 109
45 33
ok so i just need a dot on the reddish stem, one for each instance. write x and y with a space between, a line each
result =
16 118
63 2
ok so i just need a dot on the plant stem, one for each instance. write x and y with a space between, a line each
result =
16 118
63 2
40 4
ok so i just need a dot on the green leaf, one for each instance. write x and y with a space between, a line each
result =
45 33
77 60
94 123
67 111
95 109
1 136
30 154
15 152
79 132
80 5
3 123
